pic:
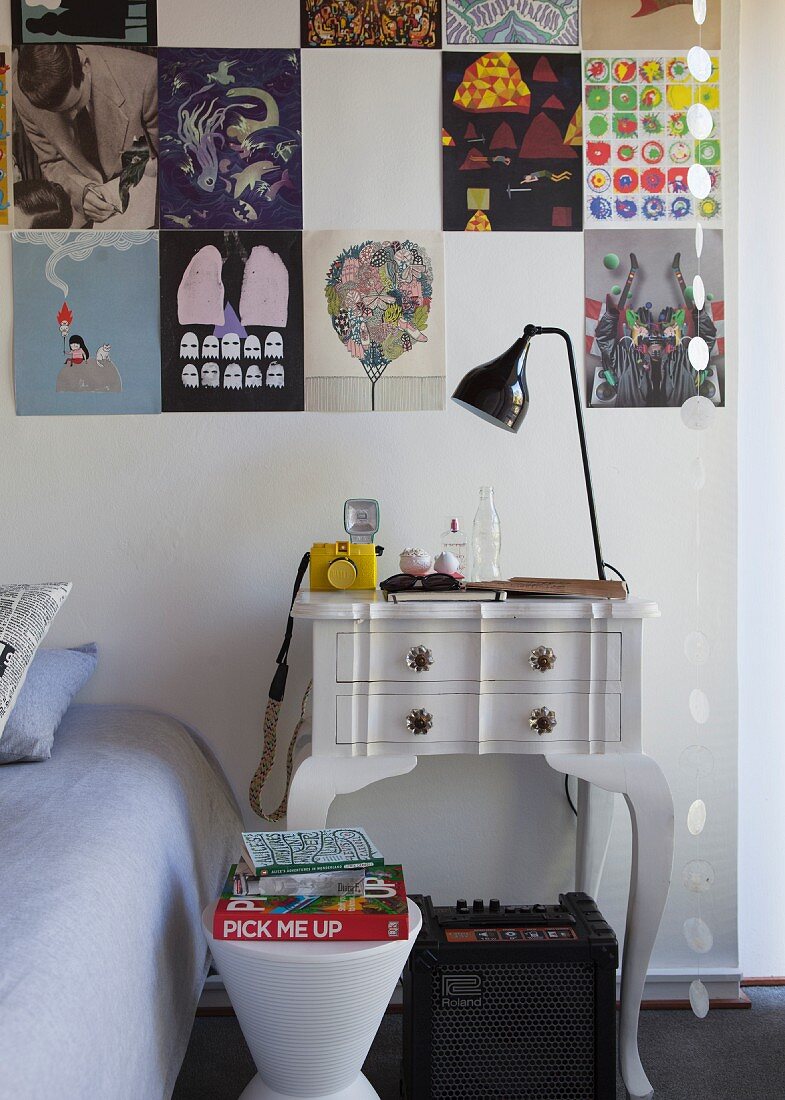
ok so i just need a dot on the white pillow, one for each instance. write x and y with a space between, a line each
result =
26 613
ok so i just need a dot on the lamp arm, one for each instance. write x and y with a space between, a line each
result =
535 330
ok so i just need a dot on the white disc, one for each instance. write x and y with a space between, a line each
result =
697 761
698 292
699 11
699 999
698 935
699 121
699 706
697 648
696 817
698 413
698 876
699 181
699 64
698 240
698 353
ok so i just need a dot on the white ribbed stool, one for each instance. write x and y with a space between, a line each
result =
309 1011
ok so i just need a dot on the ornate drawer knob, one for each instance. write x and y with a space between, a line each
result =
419 721
419 658
542 720
542 659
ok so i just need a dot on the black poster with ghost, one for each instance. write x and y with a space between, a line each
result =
231 321
127 21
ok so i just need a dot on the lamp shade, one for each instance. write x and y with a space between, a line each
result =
497 391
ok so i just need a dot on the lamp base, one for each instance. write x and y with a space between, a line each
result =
361 1089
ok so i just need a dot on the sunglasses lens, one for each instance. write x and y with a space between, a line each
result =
401 582
440 581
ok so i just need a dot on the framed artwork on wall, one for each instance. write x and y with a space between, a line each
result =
544 23
231 139
96 164
84 21
512 141
86 324
641 318
369 23
232 321
374 310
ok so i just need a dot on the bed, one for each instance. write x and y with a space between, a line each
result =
108 853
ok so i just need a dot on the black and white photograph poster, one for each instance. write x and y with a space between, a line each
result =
85 139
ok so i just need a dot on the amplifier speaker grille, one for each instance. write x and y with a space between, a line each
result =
532 1039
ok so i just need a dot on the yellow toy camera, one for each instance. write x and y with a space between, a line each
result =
351 564
342 565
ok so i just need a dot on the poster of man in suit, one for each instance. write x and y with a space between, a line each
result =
87 120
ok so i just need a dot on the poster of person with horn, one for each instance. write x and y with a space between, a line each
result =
82 343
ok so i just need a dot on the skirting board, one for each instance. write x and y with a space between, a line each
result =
664 988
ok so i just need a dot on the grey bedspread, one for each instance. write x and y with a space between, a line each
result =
108 853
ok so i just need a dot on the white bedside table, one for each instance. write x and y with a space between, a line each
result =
558 678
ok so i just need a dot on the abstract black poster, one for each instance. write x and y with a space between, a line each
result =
512 141
129 21
231 321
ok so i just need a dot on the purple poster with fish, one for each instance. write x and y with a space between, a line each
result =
231 139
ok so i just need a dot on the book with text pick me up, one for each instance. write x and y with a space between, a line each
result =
306 851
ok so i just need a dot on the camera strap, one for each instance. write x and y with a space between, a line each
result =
272 715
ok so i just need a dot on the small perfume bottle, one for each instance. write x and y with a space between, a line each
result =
454 541
486 539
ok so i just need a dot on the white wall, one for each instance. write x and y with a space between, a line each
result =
182 533
762 491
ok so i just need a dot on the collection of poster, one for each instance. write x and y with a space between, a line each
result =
178 172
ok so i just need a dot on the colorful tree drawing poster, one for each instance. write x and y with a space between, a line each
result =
526 22
638 144
5 178
232 321
512 141
641 318
231 139
374 310
647 24
86 323
412 23
129 21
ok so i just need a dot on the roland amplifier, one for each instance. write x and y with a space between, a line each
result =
511 1002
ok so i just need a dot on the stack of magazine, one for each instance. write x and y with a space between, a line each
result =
312 884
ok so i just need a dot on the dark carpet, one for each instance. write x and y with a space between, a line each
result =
731 1055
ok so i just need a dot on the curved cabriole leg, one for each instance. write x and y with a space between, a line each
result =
595 819
320 779
650 803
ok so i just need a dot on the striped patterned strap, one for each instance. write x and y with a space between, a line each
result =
271 717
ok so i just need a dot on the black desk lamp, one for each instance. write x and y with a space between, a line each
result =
497 392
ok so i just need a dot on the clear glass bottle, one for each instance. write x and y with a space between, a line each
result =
454 541
486 539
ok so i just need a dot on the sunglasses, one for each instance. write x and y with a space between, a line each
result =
433 582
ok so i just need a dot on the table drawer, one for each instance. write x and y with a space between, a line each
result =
578 716
467 717
569 655
375 718
365 658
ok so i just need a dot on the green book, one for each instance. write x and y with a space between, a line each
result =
308 850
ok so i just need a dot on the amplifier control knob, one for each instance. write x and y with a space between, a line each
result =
495 906
462 905
478 906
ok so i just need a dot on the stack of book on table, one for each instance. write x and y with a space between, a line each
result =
312 884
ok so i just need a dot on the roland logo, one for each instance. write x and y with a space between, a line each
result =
461 991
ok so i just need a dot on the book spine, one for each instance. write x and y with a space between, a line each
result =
316 868
265 928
